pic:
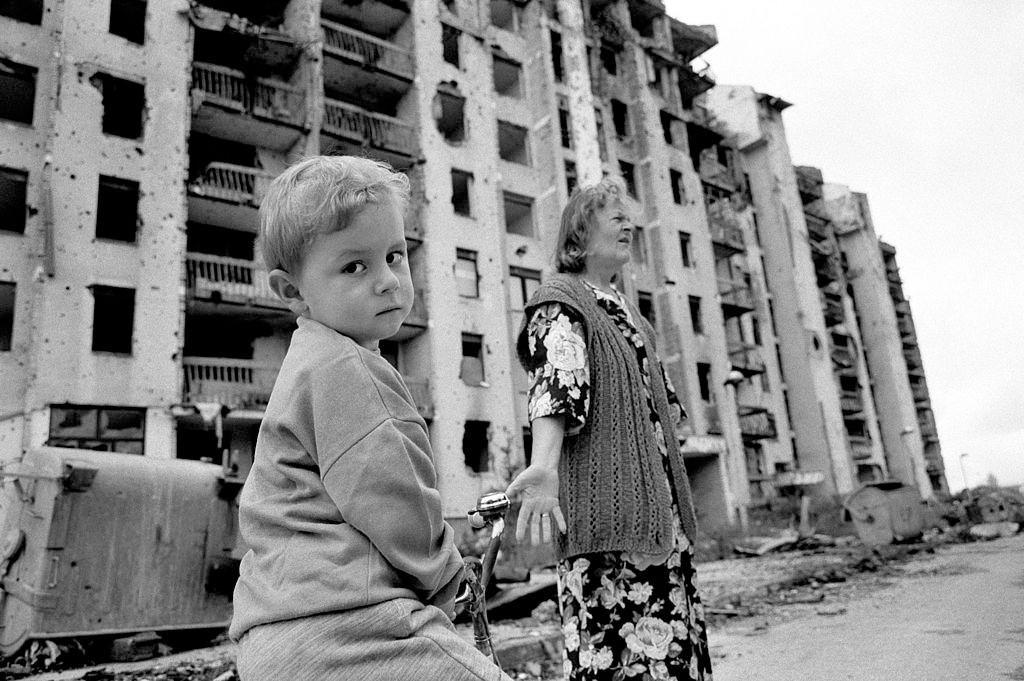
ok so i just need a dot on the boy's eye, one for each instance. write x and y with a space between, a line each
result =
353 268
395 257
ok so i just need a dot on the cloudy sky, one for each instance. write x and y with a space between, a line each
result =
920 105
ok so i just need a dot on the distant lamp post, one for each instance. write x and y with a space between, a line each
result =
963 468
733 378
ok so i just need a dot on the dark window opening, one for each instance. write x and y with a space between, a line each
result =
506 14
472 369
124 104
704 380
676 178
513 143
556 56
113 319
474 446
449 112
755 325
117 209
696 317
128 19
620 118
641 20
571 177
462 182
522 285
105 429
609 59
686 249
8 290
667 121
13 198
645 301
17 91
467 279
507 76
450 44
638 247
628 172
25 11
564 123
602 145
518 214
229 243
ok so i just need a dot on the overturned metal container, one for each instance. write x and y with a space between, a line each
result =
96 543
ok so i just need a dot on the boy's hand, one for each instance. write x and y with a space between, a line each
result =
538 489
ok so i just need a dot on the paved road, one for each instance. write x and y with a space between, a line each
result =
957 616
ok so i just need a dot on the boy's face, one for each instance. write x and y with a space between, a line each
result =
356 280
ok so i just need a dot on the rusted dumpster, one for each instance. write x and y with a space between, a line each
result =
96 543
884 512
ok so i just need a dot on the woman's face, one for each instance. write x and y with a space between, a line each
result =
610 238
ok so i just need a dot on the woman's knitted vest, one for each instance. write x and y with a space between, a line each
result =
611 477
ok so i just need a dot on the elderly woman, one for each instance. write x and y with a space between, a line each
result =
606 465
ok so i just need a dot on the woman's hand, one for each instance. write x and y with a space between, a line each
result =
537 487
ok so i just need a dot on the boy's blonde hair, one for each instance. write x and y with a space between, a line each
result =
317 196
578 219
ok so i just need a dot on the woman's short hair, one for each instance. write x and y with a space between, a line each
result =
319 195
578 219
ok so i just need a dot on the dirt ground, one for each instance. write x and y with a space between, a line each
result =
750 592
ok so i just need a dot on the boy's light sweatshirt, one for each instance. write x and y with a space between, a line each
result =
341 508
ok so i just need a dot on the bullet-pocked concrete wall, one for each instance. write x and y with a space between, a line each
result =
59 365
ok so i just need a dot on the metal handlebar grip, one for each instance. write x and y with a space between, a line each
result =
492 505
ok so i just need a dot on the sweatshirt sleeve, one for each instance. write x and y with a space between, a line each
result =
379 472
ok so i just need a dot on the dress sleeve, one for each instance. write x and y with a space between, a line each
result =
557 366
675 406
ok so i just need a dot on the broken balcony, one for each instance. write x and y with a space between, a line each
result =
690 41
726 233
695 81
228 195
219 279
832 308
256 111
746 358
349 129
860 446
416 322
737 298
235 383
817 226
808 183
842 356
850 402
357 62
756 423
712 170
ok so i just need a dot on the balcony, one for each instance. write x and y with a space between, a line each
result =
737 298
351 129
420 391
235 383
842 357
691 41
832 307
808 183
756 423
817 227
726 233
714 172
358 62
220 279
695 81
257 111
860 447
416 322
850 402
920 393
906 327
746 359
228 195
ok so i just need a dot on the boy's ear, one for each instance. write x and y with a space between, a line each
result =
283 285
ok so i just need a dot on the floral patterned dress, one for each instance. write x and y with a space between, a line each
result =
623 615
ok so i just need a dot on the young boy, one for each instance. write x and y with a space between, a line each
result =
352 570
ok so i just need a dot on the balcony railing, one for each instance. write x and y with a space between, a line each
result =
235 383
817 226
368 50
746 359
850 401
905 326
842 356
833 309
757 423
229 280
420 391
725 228
736 296
230 182
860 446
920 392
254 96
368 128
